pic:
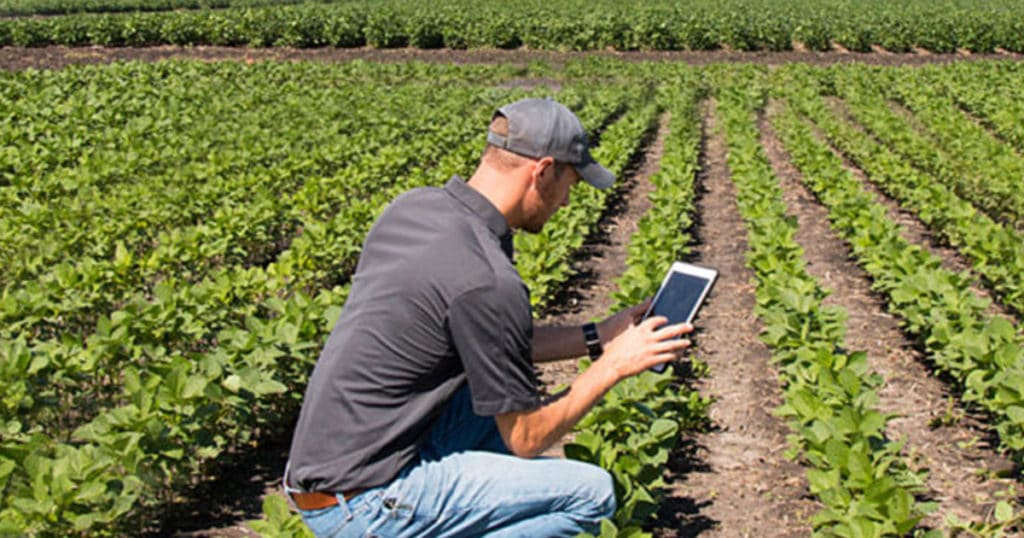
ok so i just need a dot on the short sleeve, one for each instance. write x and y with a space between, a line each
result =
492 331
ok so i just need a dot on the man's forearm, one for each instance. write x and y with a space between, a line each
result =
530 433
556 343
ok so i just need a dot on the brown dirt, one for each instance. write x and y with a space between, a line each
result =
738 483
220 506
17 58
959 464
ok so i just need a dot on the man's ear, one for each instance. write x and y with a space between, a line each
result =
540 168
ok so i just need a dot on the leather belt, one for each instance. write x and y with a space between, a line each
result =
315 500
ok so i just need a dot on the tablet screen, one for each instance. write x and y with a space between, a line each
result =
679 297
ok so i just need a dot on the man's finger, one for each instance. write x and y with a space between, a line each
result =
662 358
667 346
654 322
670 331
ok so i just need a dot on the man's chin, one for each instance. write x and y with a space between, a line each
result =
533 228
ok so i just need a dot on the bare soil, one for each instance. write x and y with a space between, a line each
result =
18 58
736 482
943 437
220 505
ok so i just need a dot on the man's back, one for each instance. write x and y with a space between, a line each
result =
390 363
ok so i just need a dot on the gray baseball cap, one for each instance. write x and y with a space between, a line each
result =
542 127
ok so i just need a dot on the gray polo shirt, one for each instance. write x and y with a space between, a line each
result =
435 302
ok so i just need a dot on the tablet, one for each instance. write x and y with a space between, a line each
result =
681 294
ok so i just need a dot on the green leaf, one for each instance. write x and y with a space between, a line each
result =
608 529
822 480
232 383
194 386
663 429
269 386
1004 511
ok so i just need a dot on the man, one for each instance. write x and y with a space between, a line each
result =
422 416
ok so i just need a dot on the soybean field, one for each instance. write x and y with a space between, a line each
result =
178 238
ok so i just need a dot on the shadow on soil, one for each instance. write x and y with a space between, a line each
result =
682 516
231 495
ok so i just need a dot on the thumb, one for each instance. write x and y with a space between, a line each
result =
639 310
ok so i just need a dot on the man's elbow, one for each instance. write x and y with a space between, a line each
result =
524 448
517 437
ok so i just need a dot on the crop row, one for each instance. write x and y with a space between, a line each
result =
979 167
633 429
567 24
981 352
829 395
70 295
997 251
990 91
14 8
144 163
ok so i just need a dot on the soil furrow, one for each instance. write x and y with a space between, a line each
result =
940 436
739 483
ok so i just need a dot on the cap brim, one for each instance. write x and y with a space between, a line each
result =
594 173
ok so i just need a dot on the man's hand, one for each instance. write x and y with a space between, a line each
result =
617 323
643 346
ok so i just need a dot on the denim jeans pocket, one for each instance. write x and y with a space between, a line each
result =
325 521
396 518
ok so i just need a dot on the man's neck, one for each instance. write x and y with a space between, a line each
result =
503 190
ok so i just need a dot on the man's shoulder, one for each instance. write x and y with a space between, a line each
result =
428 203
419 195
434 207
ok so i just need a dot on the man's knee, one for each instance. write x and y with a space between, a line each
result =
599 492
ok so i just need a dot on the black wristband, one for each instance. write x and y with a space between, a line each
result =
593 340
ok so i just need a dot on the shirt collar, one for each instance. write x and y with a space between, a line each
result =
483 208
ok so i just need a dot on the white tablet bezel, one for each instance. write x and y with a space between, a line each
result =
705 273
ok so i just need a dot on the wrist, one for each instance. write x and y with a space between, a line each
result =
604 374
592 340
603 331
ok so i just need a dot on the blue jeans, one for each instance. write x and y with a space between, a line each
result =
467 484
